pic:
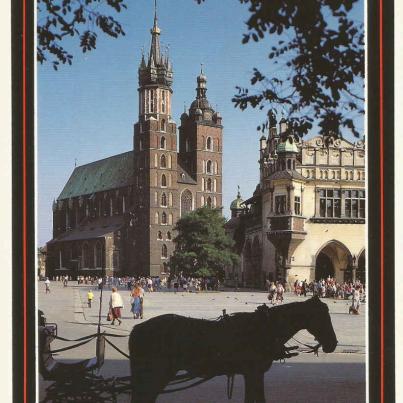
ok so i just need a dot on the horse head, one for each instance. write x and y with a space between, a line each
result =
320 324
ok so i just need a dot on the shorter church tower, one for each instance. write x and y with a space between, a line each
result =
200 146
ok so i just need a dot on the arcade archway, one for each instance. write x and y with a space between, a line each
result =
333 260
361 272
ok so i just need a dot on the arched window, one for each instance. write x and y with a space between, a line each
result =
186 202
288 164
169 236
209 202
163 161
170 219
98 254
156 218
163 143
209 184
164 251
163 125
86 256
209 144
169 161
163 180
164 200
351 175
159 235
164 218
209 167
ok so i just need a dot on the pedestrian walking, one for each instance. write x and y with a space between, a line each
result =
90 297
115 306
280 292
47 285
272 292
136 302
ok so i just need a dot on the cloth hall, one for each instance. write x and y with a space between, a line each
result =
118 214
306 218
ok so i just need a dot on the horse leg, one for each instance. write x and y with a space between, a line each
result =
259 387
249 388
149 380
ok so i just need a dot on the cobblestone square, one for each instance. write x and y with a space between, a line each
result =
337 377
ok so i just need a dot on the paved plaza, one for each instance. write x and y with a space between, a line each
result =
337 377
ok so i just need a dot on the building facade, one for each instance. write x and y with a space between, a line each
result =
306 218
119 214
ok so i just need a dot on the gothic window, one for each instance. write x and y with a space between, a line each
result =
159 235
169 161
209 203
163 101
209 144
156 218
297 205
288 164
164 200
86 256
98 254
329 203
209 186
169 236
355 203
163 143
163 125
152 101
164 251
186 202
163 180
351 175
164 218
170 219
280 203
163 161
209 166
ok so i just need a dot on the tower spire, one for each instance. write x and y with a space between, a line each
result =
155 51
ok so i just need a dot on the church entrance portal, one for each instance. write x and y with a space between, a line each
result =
334 260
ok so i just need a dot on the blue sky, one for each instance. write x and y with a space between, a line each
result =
86 111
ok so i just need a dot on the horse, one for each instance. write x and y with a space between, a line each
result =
243 343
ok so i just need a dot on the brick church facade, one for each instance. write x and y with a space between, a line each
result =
118 214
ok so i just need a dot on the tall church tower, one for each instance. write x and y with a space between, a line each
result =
200 146
155 162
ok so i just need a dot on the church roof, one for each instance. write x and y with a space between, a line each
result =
184 176
109 173
288 174
93 229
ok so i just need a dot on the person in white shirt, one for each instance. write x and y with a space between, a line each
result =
115 306
47 285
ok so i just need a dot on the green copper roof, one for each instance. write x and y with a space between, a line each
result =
109 173
287 146
237 203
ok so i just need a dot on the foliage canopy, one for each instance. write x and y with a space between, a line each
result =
202 246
